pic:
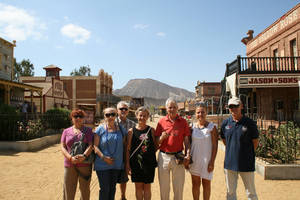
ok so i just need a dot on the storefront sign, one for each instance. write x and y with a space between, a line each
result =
268 81
58 89
280 25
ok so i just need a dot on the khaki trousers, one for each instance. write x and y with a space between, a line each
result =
71 177
167 165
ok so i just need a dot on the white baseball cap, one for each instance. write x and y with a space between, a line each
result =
234 101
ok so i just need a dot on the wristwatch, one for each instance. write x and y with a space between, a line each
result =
84 155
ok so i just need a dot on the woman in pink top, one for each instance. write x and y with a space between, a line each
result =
75 170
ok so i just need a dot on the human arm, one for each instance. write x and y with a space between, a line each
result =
160 134
106 159
129 138
214 141
154 140
255 143
64 151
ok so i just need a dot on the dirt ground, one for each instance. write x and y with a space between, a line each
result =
39 175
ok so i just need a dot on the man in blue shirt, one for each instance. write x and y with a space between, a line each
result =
240 136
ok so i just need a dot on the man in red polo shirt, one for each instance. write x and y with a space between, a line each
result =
172 133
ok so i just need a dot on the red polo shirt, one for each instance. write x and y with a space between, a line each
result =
177 130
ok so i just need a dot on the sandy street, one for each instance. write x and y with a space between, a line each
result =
39 175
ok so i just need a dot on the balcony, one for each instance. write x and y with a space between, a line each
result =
263 65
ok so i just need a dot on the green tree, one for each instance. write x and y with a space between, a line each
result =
83 71
23 68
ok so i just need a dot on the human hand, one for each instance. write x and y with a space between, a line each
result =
74 160
108 160
187 161
80 158
210 167
128 169
164 135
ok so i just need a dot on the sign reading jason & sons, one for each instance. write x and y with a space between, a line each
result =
248 81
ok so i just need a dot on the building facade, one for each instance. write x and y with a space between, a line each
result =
90 93
210 93
11 92
268 78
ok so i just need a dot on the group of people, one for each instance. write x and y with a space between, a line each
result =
123 147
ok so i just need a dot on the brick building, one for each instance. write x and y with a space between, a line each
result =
267 79
12 92
90 93
210 93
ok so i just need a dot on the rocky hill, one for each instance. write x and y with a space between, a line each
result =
154 92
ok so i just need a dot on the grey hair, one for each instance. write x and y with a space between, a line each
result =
122 103
142 109
171 100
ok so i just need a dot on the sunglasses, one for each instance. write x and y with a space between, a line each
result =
233 106
110 115
78 116
123 109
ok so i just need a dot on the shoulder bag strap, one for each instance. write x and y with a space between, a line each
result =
140 143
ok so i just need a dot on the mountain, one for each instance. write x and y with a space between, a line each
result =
154 92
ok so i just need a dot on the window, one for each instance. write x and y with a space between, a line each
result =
276 60
293 46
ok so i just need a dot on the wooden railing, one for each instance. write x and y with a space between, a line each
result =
263 65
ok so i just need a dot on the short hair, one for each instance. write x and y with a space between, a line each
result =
142 109
170 100
77 112
109 108
122 103
201 104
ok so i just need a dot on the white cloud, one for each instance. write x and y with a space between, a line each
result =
161 34
140 26
78 34
19 24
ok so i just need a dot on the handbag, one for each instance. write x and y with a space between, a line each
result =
179 158
80 147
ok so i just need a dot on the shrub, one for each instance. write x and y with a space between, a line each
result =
56 118
280 145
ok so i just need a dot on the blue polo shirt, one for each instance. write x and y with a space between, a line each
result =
239 154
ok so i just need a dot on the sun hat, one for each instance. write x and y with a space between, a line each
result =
234 101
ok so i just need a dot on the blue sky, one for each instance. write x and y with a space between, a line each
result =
177 42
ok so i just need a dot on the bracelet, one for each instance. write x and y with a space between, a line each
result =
84 155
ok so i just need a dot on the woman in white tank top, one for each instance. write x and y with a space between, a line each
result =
203 150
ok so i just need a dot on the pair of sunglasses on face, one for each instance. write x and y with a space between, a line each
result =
110 115
78 116
123 109
233 106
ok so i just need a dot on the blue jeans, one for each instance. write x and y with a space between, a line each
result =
231 178
107 181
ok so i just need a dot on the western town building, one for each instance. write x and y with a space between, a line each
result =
267 79
11 91
90 93
209 92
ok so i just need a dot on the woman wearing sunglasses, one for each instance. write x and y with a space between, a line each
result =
75 170
108 146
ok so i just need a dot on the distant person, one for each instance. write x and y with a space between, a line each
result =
141 159
204 150
109 146
240 136
172 133
123 110
76 171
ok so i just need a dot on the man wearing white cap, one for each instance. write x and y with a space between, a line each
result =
240 136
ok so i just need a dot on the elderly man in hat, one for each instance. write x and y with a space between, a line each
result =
240 136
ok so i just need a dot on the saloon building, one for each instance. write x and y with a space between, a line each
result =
267 79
